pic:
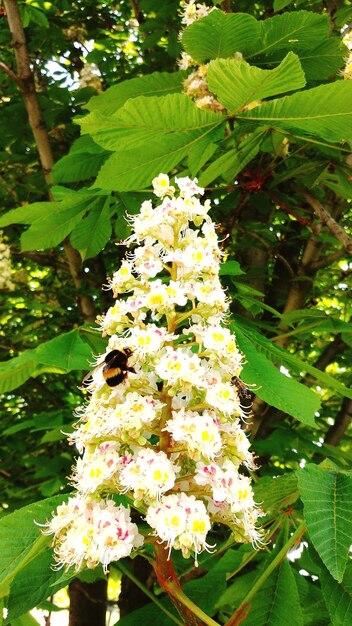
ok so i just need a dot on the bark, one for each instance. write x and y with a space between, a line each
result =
25 81
342 422
302 284
88 602
131 596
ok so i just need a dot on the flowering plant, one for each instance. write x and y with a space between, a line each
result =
169 436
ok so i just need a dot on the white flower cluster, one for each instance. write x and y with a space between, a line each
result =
193 11
167 436
89 77
196 84
5 265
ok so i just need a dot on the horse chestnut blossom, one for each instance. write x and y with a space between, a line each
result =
167 440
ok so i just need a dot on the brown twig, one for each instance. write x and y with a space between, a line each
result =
137 11
328 220
25 81
9 72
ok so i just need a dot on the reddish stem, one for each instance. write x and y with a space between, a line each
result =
169 582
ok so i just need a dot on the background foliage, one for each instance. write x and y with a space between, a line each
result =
279 179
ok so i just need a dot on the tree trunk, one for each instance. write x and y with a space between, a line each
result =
88 602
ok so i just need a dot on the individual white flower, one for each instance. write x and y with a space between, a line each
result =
182 522
149 340
162 187
223 396
148 474
180 365
97 468
199 432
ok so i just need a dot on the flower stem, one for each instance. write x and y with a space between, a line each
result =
242 610
120 565
191 614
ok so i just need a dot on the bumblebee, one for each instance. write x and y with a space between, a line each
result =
114 368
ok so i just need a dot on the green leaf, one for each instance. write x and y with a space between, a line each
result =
237 84
143 120
38 17
277 602
232 162
68 351
161 131
26 214
324 60
275 388
33 584
201 152
155 84
280 4
16 371
83 161
338 598
230 268
62 354
283 357
25 620
324 111
293 30
92 233
220 35
20 538
276 493
327 499
53 227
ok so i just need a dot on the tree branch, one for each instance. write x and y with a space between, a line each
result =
327 260
9 72
342 422
137 11
25 81
329 221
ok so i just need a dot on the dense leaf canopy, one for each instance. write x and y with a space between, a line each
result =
274 158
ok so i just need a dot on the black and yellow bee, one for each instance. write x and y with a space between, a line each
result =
114 368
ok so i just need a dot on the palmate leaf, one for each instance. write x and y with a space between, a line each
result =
237 84
275 388
327 499
324 60
155 84
324 111
34 584
51 222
